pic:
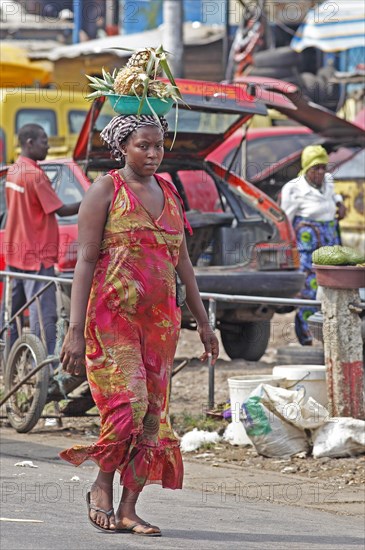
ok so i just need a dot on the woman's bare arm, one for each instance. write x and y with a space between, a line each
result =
92 216
185 271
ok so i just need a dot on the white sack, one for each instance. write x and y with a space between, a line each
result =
270 434
340 437
292 406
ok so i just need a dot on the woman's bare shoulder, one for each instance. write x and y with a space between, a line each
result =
102 187
104 182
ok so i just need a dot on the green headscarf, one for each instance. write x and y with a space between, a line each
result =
311 156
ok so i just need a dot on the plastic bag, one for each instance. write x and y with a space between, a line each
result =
292 406
341 437
191 441
270 435
275 419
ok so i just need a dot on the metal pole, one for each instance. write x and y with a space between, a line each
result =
77 9
110 10
226 39
173 36
7 315
212 321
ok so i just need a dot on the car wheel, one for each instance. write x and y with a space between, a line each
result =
247 341
300 355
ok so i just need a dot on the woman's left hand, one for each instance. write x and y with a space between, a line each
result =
341 210
210 342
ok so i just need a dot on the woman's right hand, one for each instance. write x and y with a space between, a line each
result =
72 354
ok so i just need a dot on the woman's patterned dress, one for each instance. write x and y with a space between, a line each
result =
310 236
132 330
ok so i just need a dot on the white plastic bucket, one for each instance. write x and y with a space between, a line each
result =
240 388
310 377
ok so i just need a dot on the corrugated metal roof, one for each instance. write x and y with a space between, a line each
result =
193 35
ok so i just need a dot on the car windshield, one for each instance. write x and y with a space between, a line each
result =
351 167
67 187
260 153
196 122
44 117
76 118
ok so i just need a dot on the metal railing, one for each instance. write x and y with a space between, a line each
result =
212 298
7 308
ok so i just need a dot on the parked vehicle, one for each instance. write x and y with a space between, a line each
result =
242 242
270 157
251 153
61 113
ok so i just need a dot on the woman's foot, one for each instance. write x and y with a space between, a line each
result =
137 527
127 521
101 511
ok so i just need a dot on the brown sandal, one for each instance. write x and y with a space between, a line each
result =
132 529
108 514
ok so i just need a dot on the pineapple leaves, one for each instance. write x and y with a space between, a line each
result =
144 95
165 66
139 78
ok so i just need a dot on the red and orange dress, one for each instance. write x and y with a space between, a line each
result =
132 330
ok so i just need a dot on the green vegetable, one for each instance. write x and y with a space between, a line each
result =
337 255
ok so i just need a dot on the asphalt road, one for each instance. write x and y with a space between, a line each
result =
55 508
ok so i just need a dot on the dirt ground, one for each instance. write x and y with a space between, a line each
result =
189 404
189 396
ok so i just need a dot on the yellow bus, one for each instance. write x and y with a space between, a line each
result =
61 112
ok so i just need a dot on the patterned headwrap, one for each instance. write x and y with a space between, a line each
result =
121 126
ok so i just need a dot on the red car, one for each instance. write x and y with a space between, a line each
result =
253 153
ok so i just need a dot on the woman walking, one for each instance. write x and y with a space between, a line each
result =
125 320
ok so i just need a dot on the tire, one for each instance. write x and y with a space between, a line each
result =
249 342
300 355
281 73
314 88
278 58
24 408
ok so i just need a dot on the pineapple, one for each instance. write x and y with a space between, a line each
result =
156 88
140 59
138 77
128 79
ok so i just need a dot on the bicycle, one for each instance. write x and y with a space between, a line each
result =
29 386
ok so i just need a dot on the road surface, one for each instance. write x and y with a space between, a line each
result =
48 511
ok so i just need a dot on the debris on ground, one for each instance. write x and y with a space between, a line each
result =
191 441
26 464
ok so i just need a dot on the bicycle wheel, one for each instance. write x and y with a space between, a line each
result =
25 406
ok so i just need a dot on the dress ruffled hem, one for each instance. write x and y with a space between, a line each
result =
139 464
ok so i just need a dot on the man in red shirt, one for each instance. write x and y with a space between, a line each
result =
31 231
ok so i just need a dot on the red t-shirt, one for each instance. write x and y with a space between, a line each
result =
31 231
